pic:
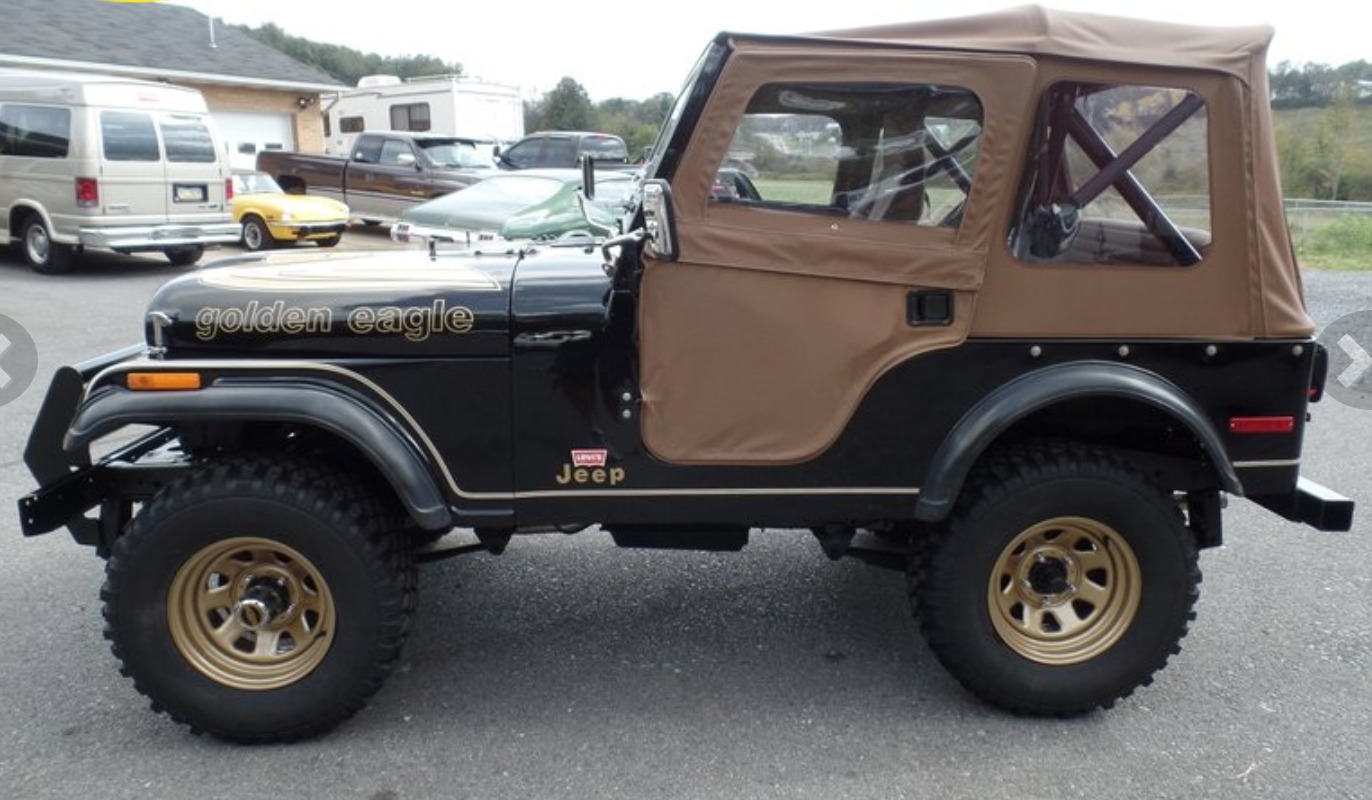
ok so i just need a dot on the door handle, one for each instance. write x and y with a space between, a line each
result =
929 308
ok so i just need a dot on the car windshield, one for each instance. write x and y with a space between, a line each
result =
613 193
255 183
462 156
526 188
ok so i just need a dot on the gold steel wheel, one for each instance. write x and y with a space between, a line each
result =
1064 591
251 614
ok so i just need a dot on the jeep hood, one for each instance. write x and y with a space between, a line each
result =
357 305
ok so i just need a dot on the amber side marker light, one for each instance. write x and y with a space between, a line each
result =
163 381
1262 424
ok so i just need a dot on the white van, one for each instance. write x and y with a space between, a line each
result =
114 163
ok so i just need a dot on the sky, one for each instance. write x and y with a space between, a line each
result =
637 49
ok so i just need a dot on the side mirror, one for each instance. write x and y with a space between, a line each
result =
405 159
659 219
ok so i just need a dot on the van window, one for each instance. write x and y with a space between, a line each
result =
188 140
34 131
128 136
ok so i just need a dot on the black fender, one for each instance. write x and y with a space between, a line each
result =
350 417
998 411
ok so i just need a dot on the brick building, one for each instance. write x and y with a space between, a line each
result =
260 98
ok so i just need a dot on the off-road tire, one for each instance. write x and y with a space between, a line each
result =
45 256
242 521
1080 511
256 235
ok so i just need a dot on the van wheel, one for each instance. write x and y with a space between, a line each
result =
41 252
260 599
1064 579
256 237
185 256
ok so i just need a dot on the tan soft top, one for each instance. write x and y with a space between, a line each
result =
1034 30
761 341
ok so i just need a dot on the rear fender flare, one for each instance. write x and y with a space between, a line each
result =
996 413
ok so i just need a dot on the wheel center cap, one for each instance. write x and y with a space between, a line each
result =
1049 577
260 605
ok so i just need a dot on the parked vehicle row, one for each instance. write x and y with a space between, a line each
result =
386 173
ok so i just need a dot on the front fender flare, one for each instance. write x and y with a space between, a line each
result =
1001 409
388 446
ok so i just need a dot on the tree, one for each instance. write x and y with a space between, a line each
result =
566 108
345 64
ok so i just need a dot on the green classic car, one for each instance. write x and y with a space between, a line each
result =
531 204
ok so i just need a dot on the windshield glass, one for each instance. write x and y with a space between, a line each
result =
462 156
531 189
255 183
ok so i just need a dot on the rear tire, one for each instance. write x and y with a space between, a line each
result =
256 236
41 252
185 256
1062 582
330 241
260 601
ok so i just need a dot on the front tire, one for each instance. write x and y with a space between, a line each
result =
260 601
1063 581
256 236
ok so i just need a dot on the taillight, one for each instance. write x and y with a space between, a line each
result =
1262 425
87 193
228 189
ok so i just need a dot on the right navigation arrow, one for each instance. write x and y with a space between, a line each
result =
1361 361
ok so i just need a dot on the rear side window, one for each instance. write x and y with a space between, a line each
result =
1117 174
605 148
188 140
884 152
34 131
128 136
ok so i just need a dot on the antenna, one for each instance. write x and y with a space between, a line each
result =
213 44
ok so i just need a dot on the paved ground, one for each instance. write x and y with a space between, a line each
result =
567 668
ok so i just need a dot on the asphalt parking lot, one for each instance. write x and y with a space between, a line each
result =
569 669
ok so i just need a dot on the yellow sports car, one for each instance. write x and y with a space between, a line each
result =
270 217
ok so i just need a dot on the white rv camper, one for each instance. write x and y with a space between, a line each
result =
486 113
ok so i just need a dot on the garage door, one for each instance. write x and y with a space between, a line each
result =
248 132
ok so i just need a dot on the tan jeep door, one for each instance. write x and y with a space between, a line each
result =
834 213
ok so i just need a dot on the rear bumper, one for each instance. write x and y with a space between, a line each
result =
1312 504
160 237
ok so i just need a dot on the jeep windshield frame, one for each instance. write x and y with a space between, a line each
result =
674 135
